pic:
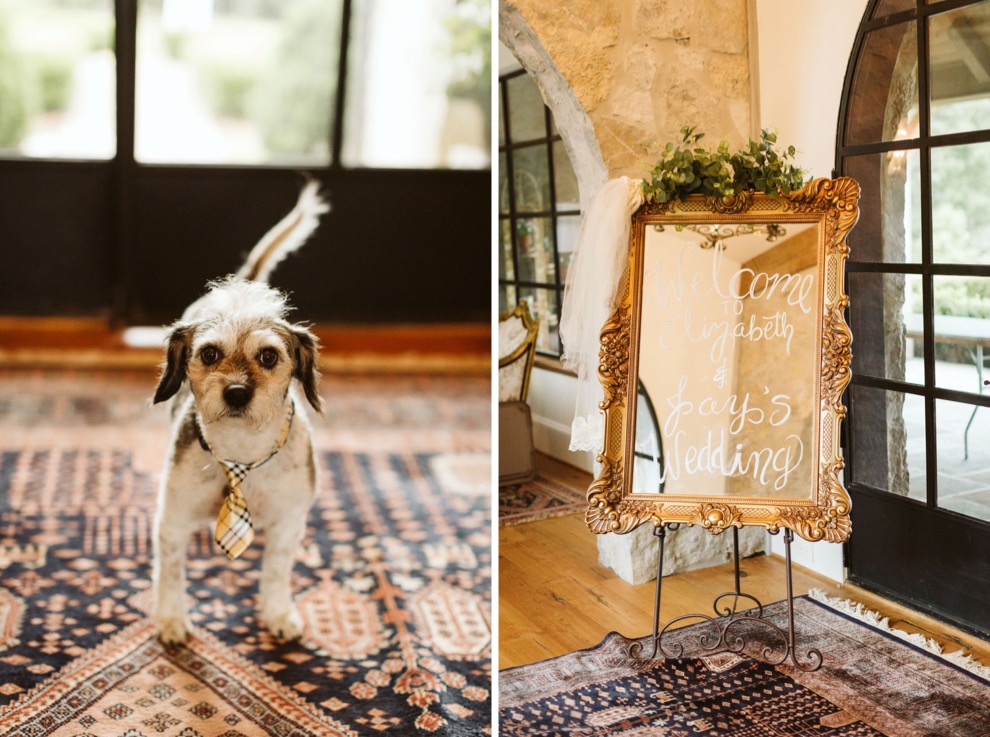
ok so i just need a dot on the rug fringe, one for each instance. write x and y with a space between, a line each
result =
864 614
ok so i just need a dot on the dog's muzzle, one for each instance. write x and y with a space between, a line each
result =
237 396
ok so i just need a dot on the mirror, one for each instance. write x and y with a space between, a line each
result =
730 336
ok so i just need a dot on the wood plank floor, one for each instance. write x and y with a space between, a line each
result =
554 596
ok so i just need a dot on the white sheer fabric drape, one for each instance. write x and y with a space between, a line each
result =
590 298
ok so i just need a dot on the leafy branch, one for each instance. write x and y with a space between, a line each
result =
689 168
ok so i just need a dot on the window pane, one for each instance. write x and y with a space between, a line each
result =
531 172
506 297
534 243
885 318
501 120
57 80
565 186
543 305
419 85
887 70
527 118
913 311
960 69
889 7
889 227
503 185
505 268
962 330
235 82
889 448
963 458
960 204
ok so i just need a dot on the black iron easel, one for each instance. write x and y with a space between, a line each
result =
729 617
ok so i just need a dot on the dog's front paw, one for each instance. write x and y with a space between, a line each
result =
171 630
288 625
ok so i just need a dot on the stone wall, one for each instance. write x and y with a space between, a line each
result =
640 69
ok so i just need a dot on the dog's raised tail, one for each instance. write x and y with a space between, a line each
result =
288 234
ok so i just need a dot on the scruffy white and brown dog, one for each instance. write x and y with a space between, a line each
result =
241 453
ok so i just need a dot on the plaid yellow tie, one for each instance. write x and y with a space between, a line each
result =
234 529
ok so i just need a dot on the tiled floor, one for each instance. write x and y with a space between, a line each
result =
963 458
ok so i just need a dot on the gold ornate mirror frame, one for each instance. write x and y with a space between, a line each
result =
832 207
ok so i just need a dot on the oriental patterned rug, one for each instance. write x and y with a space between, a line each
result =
539 498
871 683
393 579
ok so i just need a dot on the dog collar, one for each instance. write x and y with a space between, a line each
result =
283 436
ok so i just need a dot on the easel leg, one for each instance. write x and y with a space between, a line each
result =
815 658
660 533
788 539
735 557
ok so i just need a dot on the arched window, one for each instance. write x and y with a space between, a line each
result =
914 130
539 214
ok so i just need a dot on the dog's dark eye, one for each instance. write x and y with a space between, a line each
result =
209 355
268 357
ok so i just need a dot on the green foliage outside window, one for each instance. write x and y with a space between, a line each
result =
960 214
228 86
289 96
54 78
293 100
468 56
15 93
36 81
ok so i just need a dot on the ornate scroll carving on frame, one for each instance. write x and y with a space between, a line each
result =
604 496
832 207
829 519
613 356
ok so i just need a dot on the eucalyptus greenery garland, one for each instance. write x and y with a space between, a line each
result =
688 169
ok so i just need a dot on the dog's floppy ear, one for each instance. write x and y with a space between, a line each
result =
305 351
176 359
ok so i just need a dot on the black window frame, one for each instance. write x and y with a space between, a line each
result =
927 270
506 147
128 243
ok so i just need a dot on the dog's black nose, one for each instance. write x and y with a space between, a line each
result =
237 395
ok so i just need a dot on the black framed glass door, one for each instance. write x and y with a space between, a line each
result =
914 130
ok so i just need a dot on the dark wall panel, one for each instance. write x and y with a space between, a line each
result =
934 561
397 247
55 239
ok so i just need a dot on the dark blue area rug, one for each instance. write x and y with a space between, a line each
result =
393 579
871 683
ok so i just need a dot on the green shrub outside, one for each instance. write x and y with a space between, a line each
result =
961 214
15 92
292 101
53 75
227 87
